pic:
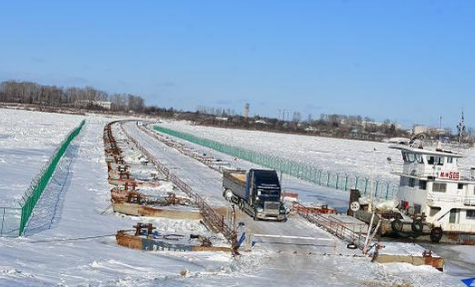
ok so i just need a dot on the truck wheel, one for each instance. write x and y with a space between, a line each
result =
436 234
417 226
396 225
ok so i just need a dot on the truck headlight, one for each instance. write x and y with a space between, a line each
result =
260 209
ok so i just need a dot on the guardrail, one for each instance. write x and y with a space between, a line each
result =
350 232
211 217
310 173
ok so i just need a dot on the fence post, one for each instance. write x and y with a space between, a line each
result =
346 182
3 220
328 179
376 191
337 181
366 185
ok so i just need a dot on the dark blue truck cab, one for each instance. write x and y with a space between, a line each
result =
257 192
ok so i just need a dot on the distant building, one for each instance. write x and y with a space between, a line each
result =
246 110
263 122
374 123
87 103
311 129
417 129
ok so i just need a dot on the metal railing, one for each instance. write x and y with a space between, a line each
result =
350 232
211 217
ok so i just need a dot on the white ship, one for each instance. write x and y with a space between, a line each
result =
435 196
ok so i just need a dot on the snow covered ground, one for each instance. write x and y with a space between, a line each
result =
27 141
302 264
70 240
73 244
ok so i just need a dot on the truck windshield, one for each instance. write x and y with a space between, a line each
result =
265 178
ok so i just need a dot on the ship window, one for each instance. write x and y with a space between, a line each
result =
404 157
412 182
439 187
450 160
439 160
431 160
470 214
460 186
422 184
417 208
419 158
434 210
411 157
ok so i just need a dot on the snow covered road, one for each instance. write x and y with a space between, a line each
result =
208 184
289 261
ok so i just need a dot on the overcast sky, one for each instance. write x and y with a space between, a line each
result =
409 61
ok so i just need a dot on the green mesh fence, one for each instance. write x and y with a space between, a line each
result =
39 184
10 221
313 174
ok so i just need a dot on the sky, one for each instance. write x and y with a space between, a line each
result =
407 61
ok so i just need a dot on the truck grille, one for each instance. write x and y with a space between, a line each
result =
272 205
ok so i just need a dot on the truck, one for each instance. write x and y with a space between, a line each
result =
256 192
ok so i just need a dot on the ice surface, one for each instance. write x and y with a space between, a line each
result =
79 248
27 141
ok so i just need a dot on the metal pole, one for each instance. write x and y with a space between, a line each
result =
3 220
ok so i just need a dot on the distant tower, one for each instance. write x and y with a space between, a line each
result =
246 110
461 128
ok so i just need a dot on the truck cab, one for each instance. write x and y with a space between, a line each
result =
257 192
265 190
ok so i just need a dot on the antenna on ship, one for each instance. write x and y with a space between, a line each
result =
461 129
440 132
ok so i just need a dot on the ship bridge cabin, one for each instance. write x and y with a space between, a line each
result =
432 184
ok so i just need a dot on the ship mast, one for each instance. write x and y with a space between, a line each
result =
461 129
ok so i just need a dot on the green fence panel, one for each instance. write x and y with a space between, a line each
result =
39 184
310 173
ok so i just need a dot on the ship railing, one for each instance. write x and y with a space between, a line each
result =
419 172
469 200
466 200
444 197
465 174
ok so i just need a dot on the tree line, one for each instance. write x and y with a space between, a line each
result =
331 125
54 96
